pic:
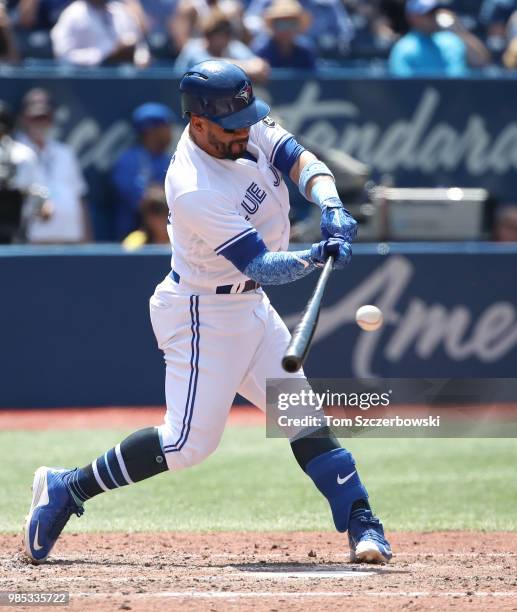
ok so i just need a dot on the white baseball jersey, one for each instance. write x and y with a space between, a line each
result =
215 204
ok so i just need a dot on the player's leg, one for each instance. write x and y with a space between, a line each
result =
201 343
319 454
58 493
200 387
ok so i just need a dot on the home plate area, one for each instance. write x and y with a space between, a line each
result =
268 571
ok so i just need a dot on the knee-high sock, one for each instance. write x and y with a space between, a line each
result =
136 458
332 469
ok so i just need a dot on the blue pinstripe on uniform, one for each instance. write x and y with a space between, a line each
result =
192 385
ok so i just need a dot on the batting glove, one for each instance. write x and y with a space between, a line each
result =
341 250
336 221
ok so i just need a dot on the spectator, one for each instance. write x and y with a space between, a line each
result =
219 42
154 214
8 51
60 173
94 32
510 54
158 15
494 15
283 48
505 229
189 15
374 32
140 165
22 195
393 16
331 29
40 14
436 43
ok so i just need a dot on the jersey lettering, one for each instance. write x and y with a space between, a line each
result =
253 198
276 174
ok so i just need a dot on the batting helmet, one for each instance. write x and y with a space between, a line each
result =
221 92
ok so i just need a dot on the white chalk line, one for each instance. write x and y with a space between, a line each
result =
289 594
401 554
270 575
285 575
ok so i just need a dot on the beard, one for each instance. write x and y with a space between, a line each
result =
229 150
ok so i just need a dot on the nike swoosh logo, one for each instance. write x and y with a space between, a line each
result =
342 481
302 261
35 544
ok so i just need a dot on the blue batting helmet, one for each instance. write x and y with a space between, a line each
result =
221 92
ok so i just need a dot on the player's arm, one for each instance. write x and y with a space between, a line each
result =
269 268
316 183
314 178
338 227
248 253
216 222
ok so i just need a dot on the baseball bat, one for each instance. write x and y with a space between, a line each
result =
298 348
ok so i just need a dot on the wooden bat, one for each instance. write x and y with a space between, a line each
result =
299 346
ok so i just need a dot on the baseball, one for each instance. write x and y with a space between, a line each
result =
369 317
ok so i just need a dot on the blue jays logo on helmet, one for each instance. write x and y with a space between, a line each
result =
221 92
245 93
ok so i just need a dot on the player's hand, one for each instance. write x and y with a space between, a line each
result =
340 249
337 222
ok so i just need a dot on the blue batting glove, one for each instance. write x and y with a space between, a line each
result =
341 250
337 221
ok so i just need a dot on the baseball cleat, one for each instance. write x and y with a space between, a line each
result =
52 505
366 539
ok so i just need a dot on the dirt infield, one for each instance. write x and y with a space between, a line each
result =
269 571
253 571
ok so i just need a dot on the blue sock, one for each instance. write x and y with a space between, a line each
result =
136 458
335 475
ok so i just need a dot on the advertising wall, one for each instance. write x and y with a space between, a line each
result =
75 330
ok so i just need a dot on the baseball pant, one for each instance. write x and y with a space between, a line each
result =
214 347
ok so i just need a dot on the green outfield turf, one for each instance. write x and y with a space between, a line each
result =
254 484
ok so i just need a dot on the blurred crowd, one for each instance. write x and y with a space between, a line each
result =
43 192
44 196
410 36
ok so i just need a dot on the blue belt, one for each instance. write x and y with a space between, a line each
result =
249 285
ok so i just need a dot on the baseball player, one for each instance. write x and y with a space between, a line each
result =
229 231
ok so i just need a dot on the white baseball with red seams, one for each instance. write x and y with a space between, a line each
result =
369 317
